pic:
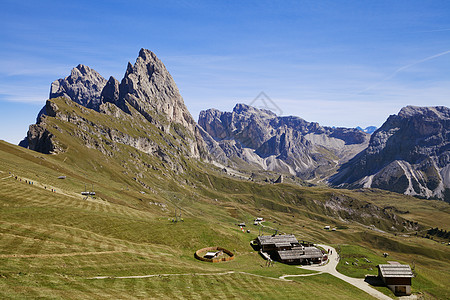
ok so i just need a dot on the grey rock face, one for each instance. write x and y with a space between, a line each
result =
213 148
409 153
84 86
245 124
38 137
284 144
150 89
110 92
146 87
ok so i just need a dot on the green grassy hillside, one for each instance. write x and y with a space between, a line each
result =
53 241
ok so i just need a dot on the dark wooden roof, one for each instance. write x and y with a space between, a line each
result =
279 245
291 254
299 253
312 252
395 271
277 239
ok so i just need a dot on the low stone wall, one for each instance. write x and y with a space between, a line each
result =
214 260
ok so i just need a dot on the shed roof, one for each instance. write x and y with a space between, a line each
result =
282 244
299 253
291 254
395 271
277 239
211 254
312 252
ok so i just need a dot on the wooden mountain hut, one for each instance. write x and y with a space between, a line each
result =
397 277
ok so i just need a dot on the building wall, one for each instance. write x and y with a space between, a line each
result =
398 281
269 247
400 290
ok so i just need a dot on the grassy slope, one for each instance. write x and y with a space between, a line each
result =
60 240
52 243
112 239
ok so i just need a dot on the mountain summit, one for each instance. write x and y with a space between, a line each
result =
147 91
150 89
257 138
409 153
84 86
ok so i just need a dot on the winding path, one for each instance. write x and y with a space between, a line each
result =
330 268
186 274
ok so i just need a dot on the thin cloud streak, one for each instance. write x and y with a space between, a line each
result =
404 68
436 30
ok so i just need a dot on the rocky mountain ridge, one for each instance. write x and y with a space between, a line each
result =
83 86
409 153
262 140
147 89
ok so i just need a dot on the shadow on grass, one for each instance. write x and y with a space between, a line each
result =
255 246
374 280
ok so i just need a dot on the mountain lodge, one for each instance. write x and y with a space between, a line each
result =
287 249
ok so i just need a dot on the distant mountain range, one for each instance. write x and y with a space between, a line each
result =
409 153
369 129
253 138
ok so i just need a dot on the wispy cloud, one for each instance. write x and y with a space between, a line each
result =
436 30
23 94
393 74
362 111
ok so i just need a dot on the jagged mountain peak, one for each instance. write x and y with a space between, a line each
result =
409 153
147 55
147 92
431 112
241 108
110 92
84 86
284 144
83 69
149 87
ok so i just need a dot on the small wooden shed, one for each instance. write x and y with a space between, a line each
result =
212 254
397 277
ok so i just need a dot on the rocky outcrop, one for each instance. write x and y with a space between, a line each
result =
283 144
84 86
409 153
110 92
147 90
150 89
38 137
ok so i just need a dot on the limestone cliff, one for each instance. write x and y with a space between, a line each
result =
147 93
409 153
282 144
84 86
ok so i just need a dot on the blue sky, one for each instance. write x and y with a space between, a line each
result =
339 63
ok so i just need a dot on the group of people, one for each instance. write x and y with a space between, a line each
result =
269 262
